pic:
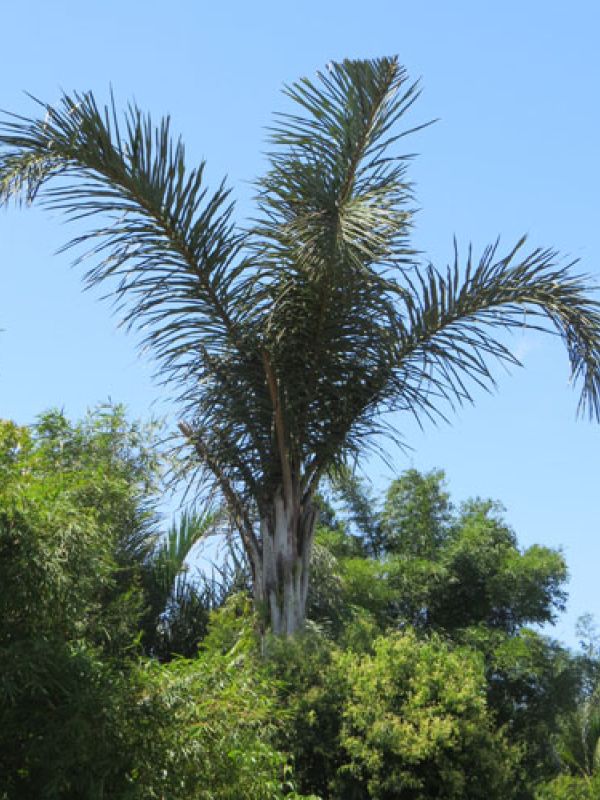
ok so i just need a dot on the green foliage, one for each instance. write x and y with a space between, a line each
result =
440 568
345 583
577 740
59 570
113 471
567 787
177 611
83 716
589 654
312 692
64 712
489 580
416 515
360 508
407 719
532 682
123 457
458 572
466 701
199 729
65 612
98 483
416 725
212 721
326 604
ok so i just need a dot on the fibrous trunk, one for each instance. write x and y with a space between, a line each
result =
281 577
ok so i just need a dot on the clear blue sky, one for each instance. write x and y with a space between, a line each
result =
516 150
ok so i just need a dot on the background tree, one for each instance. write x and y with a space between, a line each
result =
472 585
106 475
416 725
84 713
68 614
416 515
577 747
439 567
290 339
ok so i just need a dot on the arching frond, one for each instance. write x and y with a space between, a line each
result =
449 331
168 560
168 243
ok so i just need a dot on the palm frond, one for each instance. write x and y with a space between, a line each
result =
167 561
447 335
168 245
167 242
334 198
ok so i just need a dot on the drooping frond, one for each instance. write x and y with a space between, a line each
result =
167 243
451 320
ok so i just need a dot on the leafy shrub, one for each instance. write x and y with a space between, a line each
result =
405 719
569 787
415 725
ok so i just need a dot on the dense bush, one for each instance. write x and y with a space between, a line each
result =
83 715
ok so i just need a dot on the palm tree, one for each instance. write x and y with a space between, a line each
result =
176 607
578 744
289 339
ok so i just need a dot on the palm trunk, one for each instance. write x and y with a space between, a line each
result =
281 577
